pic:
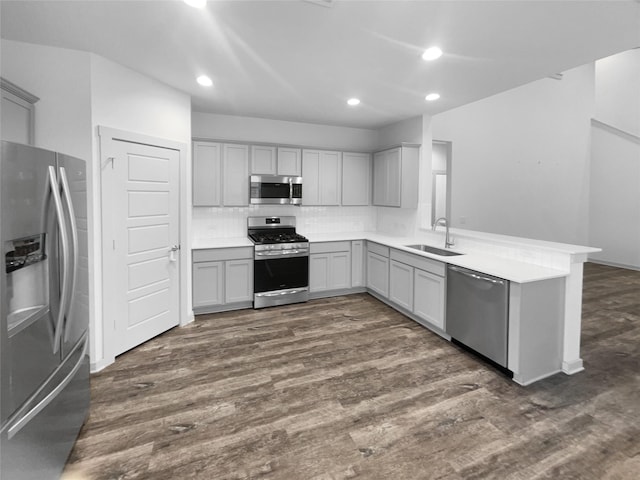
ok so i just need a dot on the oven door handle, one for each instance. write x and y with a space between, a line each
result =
282 253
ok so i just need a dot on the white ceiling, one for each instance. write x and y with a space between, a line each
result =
296 60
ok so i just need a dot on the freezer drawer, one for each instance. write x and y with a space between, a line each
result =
478 311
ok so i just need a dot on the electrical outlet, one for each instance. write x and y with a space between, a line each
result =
463 220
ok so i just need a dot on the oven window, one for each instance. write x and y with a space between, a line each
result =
274 190
280 273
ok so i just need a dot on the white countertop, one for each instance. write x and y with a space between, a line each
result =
515 271
519 272
204 243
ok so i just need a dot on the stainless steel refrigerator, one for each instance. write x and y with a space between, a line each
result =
44 310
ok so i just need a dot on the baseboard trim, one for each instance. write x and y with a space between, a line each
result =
614 264
222 308
95 367
336 293
520 380
574 366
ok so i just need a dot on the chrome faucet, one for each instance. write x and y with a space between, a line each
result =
448 243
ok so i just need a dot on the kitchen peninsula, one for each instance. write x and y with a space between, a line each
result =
545 280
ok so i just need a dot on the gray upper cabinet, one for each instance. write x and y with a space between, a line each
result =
322 177
395 177
235 174
356 169
220 174
289 161
17 113
207 172
271 160
263 160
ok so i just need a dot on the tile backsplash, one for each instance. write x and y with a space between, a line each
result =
228 222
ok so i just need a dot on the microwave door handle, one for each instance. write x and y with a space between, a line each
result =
64 243
290 190
64 181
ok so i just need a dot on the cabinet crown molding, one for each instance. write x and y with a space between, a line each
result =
14 89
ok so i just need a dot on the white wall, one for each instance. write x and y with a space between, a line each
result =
614 202
615 199
60 78
520 159
126 100
405 131
618 90
250 129
403 221
79 91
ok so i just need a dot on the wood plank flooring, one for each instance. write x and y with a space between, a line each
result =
346 387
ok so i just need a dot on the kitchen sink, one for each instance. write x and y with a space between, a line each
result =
434 250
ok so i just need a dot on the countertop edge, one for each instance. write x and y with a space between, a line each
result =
512 270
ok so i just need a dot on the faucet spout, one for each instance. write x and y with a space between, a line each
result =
444 222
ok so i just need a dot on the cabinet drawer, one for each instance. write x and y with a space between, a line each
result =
216 254
377 248
329 247
433 266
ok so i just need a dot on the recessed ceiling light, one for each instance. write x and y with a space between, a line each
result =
432 53
432 96
353 101
196 3
204 81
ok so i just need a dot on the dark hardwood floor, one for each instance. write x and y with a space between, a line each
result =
348 388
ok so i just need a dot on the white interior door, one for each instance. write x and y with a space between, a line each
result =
141 212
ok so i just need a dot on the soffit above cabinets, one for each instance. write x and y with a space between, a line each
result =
292 60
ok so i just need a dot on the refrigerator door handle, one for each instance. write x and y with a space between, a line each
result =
64 241
64 182
16 425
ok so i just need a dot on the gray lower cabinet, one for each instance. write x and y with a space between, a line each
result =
329 266
208 283
238 281
417 284
401 284
222 279
378 269
429 297
357 263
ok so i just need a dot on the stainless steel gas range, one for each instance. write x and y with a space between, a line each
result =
281 261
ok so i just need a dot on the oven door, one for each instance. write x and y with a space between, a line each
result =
279 280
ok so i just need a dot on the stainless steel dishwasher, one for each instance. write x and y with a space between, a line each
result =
478 312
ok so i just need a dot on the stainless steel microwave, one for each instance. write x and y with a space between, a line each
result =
275 190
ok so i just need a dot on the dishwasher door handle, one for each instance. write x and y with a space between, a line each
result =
475 276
